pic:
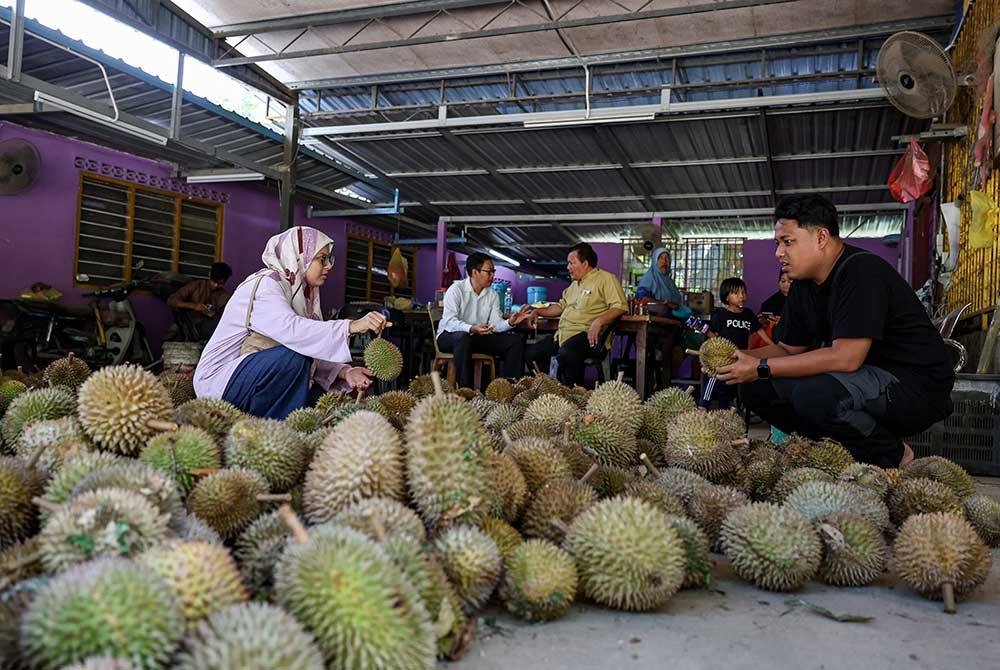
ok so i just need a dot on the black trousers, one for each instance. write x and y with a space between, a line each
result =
507 345
570 356
821 406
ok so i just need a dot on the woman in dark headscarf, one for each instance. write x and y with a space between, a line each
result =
657 284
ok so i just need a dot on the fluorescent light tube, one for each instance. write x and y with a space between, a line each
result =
224 177
497 254
556 123
87 113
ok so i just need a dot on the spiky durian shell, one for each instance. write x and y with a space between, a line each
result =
102 663
356 601
472 561
18 514
61 485
728 424
670 402
446 461
305 420
628 556
20 561
868 476
715 353
815 500
617 402
61 438
227 500
269 447
539 460
563 500
921 496
214 415
645 489
826 455
331 399
194 529
502 533
611 443
611 481
254 636
682 483
693 443
509 490
106 522
772 546
543 383
37 405
14 601
361 458
179 386
934 549
795 478
709 506
763 475
398 405
539 582
423 386
579 460
116 404
203 576
503 416
983 512
257 551
68 373
137 477
10 389
69 618
653 427
375 516
697 564
177 453
523 428
941 470
384 359
854 550
500 390
552 411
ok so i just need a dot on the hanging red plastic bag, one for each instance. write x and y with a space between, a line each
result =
911 177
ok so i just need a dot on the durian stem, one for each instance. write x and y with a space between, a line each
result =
46 504
275 497
742 442
559 525
590 452
37 454
162 426
567 431
357 397
621 376
436 380
689 390
69 357
377 528
506 437
202 472
290 519
649 465
692 352
534 364
948 593
590 473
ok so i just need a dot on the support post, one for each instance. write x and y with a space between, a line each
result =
287 169
442 247
177 100
15 48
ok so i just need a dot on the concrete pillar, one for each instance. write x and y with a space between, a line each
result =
442 249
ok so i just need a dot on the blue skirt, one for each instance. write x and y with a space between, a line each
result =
272 383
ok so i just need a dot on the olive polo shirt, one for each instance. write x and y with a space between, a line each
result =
586 299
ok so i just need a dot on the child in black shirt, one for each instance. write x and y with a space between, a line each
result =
734 322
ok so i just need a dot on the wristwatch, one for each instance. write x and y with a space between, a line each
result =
763 369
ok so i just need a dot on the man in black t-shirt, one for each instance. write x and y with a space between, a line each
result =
859 360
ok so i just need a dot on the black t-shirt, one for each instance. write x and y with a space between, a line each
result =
775 304
864 297
734 326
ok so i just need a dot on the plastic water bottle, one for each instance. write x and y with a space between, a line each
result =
508 300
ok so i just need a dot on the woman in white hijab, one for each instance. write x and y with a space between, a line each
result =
272 353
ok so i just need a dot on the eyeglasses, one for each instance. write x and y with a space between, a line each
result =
326 260
489 272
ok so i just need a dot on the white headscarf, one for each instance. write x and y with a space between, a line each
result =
286 258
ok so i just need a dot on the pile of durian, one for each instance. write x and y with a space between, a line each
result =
143 528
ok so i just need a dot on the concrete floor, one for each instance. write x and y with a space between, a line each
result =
739 626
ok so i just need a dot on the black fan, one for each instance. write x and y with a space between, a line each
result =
19 166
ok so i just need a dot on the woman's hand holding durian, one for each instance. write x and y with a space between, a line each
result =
372 321
358 378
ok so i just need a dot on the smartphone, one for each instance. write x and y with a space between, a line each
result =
696 324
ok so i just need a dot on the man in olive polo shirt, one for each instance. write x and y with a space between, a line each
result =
592 301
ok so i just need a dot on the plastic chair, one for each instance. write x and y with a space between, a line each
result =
946 326
442 359
600 358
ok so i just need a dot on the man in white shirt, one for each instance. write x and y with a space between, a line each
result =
472 323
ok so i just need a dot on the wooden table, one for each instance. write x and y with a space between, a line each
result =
642 326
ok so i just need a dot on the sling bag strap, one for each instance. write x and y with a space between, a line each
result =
254 341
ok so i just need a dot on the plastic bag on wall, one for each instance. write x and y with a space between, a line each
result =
985 219
911 177
398 270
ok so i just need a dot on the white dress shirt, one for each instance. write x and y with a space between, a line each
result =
464 308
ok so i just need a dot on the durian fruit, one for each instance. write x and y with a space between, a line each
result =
618 402
361 458
384 359
61 438
20 561
682 483
332 399
771 546
503 534
942 470
305 420
356 601
481 405
539 581
826 455
694 444
628 556
763 474
10 389
867 476
983 512
257 551
61 485
472 562
611 443
795 478
137 477
37 405
112 607
227 500
500 390
255 636
180 452
102 663
341 412
579 460
446 463
709 506
940 556
382 516
467 393
69 373
14 601
670 402
728 425
561 500
894 475
398 405
539 460
611 481
510 490
579 395
552 411
543 383
213 415
523 428
179 386
653 427
203 576
122 406
194 529
697 564
816 500
854 550
269 447
422 386
714 353
106 522
19 483
645 489
921 496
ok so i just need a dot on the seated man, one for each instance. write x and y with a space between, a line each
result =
592 301
472 323
200 302
859 360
